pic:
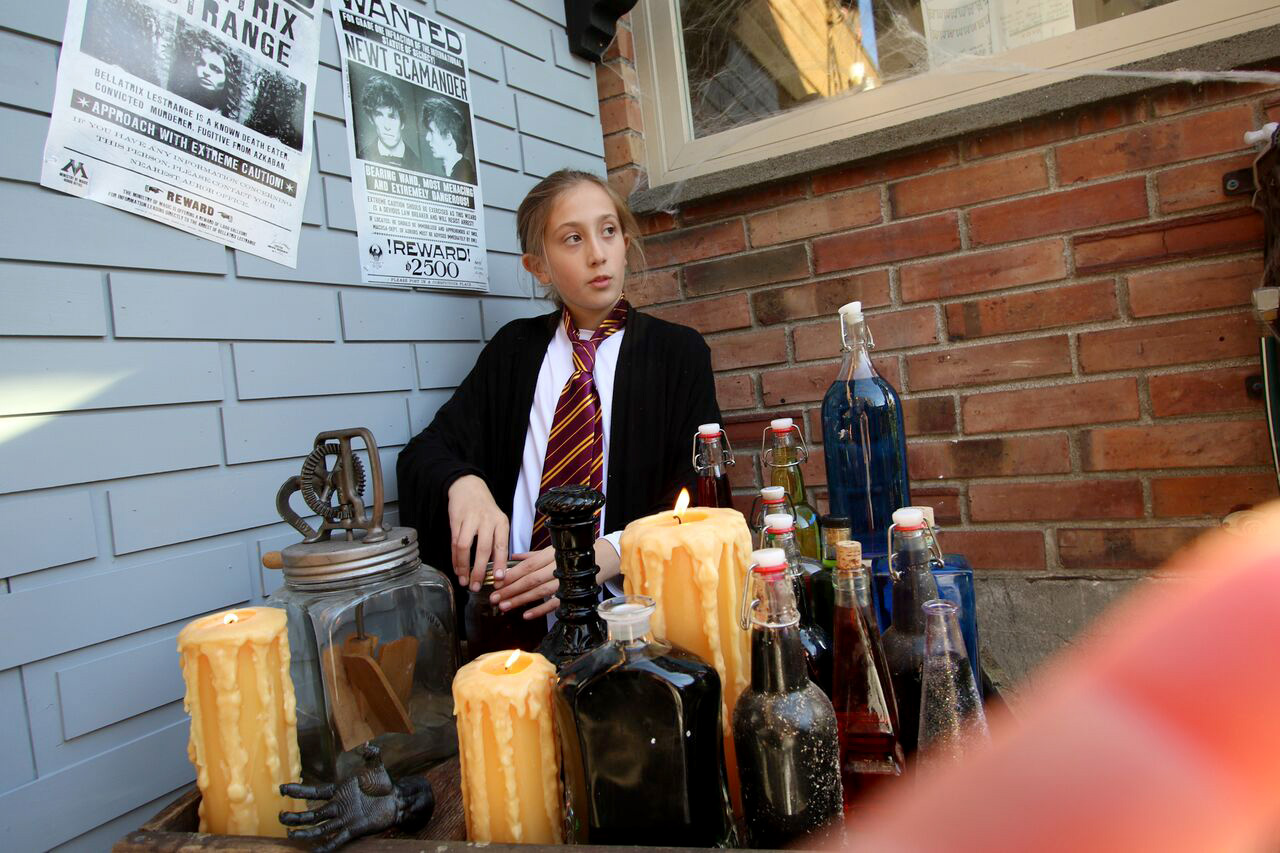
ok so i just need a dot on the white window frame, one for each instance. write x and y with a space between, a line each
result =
675 155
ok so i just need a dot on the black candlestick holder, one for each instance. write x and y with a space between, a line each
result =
571 513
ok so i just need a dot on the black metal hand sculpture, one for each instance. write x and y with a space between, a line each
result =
362 804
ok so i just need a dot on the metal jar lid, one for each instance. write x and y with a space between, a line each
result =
337 559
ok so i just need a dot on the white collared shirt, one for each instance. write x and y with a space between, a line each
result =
557 367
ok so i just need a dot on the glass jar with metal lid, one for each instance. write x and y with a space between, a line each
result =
371 629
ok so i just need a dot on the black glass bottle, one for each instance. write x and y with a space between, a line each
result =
641 739
572 517
779 532
712 456
912 557
784 728
487 628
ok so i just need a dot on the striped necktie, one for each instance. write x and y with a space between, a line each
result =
575 448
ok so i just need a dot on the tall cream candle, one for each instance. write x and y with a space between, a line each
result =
244 728
693 567
507 749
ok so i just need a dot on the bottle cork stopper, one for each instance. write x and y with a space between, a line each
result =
848 555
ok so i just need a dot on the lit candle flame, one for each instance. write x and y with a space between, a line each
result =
229 618
682 504
511 661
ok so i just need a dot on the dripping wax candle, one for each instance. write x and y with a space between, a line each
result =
507 749
244 732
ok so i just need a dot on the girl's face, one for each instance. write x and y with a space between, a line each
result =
584 253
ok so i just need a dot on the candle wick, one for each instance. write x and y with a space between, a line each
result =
679 520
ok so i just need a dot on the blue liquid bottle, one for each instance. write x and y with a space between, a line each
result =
864 440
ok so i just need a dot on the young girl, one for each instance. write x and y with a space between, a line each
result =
595 393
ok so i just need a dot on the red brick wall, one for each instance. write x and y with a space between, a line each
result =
1062 305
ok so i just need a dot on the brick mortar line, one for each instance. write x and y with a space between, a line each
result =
1149 474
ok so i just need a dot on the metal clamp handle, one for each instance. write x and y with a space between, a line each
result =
747 603
935 550
728 451
766 452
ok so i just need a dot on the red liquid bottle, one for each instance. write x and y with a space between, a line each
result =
862 695
712 455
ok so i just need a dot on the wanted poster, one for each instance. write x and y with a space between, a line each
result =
412 140
194 113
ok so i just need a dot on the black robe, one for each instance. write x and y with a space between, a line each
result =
663 389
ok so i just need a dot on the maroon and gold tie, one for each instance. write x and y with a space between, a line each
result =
575 448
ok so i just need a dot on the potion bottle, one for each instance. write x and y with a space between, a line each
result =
641 739
870 753
955 584
784 727
952 721
782 452
834 529
779 532
572 516
912 558
849 560
770 500
863 439
712 455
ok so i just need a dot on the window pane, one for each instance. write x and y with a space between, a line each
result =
749 59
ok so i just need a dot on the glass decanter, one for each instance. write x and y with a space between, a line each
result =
782 452
572 513
863 439
870 752
641 739
784 727
712 456
779 532
952 721
913 556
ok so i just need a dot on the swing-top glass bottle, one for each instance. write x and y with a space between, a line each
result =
863 439
782 452
712 457
784 727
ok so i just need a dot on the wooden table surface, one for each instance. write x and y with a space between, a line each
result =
174 828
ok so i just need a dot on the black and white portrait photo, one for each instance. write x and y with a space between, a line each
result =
385 124
446 134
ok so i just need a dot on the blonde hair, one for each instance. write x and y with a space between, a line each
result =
535 210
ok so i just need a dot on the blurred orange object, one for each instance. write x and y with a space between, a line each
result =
1159 732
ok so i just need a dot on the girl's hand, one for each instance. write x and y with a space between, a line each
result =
532 579
475 517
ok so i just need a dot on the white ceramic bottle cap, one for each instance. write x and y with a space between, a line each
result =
852 310
769 558
780 424
908 518
710 430
779 522
773 493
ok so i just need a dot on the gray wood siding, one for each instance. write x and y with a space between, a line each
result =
156 389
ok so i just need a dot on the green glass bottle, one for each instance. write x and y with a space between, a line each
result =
783 451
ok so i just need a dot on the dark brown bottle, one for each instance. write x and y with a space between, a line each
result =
572 513
641 739
784 727
488 629
912 558
712 457
870 753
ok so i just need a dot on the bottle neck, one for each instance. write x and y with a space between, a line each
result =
710 457
777 655
857 344
638 633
